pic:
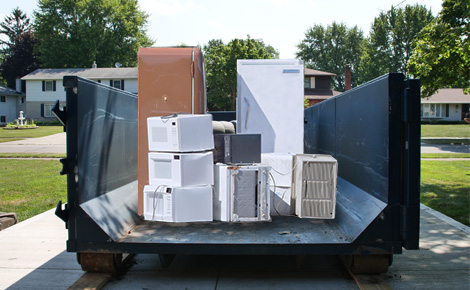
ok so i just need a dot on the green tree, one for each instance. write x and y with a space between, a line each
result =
221 66
14 25
391 41
74 33
441 58
330 49
18 58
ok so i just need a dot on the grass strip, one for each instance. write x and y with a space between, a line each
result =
30 187
459 130
445 155
445 187
19 134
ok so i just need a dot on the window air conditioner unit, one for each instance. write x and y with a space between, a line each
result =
241 193
314 186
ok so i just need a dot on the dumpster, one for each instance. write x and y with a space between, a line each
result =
373 131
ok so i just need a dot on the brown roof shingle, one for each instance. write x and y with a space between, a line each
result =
448 96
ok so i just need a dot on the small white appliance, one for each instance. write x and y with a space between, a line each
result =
178 204
180 133
241 193
181 169
314 186
281 181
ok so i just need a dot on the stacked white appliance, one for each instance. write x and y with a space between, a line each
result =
181 175
270 102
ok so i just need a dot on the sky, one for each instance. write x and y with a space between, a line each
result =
279 23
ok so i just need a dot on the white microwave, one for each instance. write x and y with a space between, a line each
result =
178 204
181 169
180 133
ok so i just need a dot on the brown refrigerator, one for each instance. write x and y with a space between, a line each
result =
171 80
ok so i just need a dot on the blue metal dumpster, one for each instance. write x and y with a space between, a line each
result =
372 130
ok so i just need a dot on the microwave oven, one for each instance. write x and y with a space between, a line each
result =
241 193
314 186
178 204
237 148
181 169
180 133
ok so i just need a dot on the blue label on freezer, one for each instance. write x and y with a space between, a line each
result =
291 71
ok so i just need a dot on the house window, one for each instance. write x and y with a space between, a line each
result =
118 84
3 99
46 110
309 82
425 110
3 119
48 86
433 110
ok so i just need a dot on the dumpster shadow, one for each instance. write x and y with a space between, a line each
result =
57 273
235 272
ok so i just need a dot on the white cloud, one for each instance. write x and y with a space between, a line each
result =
279 3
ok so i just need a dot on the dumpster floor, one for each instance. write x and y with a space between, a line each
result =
281 230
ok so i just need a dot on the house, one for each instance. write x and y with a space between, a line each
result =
44 86
11 103
445 105
317 86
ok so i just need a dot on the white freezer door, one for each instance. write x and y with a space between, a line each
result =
270 101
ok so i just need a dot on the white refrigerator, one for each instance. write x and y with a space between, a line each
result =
270 102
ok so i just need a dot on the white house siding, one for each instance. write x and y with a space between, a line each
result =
9 109
38 99
454 112
131 86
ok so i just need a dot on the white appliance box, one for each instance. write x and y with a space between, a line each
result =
180 133
178 204
281 181
181 169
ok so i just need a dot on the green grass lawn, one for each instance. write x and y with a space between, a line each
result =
445 187
18 134
460 130
30 187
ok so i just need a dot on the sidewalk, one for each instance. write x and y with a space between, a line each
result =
49 144
444 148
33 256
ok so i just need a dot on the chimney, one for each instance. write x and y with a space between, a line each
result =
94 65
347 79
18 85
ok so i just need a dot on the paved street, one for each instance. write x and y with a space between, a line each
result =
49 144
